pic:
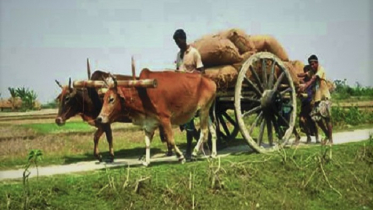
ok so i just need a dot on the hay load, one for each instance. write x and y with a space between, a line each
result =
217 51
224 76
239 38
228 46
224 53
268 43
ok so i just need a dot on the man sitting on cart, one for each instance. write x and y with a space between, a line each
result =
321 112
188 60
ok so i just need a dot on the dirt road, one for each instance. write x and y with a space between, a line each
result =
339 138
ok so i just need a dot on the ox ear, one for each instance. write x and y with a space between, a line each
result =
88 69
58 83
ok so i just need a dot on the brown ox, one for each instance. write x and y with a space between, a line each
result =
87 103
175 101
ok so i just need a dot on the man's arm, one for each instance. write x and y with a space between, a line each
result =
177 62
302 74
307 84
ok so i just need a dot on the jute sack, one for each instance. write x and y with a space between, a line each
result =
224 76
268 43
244 56
239 38
217 51
298 66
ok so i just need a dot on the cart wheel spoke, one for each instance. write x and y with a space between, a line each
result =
272 75
251 111
269 131
264 72
257 91
224 131
258 118
225 127
282 118
278 82
256 77
228 118
286 91
261 132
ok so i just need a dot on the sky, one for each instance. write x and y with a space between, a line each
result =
44 40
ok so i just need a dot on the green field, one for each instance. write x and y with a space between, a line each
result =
306 178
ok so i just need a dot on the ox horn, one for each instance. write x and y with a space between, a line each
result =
88 69
133 68
58 83
114 80
70 88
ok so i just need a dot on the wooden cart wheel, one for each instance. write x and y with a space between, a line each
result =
265 102
226 125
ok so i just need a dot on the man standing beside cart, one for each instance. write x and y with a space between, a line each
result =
321 112
188 60
306 123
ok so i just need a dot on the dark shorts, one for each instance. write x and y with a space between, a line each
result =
305 109
189 126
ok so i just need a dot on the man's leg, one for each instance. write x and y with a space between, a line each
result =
189 136
190 130
329 125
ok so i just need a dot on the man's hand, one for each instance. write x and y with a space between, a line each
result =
302 88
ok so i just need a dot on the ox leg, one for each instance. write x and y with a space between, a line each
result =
212 130
204 121
189 135
163 139
148 140
170 138
109 137
96 139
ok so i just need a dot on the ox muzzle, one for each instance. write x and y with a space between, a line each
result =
102 119
59 121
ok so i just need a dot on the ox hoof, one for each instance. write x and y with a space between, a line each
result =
213 156
182 159
142 157
196 153
146 164
109 161
169 154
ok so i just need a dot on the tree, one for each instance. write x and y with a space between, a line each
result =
27 96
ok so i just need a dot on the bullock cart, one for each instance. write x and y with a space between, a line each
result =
263 98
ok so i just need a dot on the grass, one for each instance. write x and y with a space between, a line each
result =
69 147
73 142
290 179
51 128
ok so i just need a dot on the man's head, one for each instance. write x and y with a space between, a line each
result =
313 62
180 39
307 68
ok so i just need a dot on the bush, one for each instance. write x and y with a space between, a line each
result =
350 116
344 91
50 105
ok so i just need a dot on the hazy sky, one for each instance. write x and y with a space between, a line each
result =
43 40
